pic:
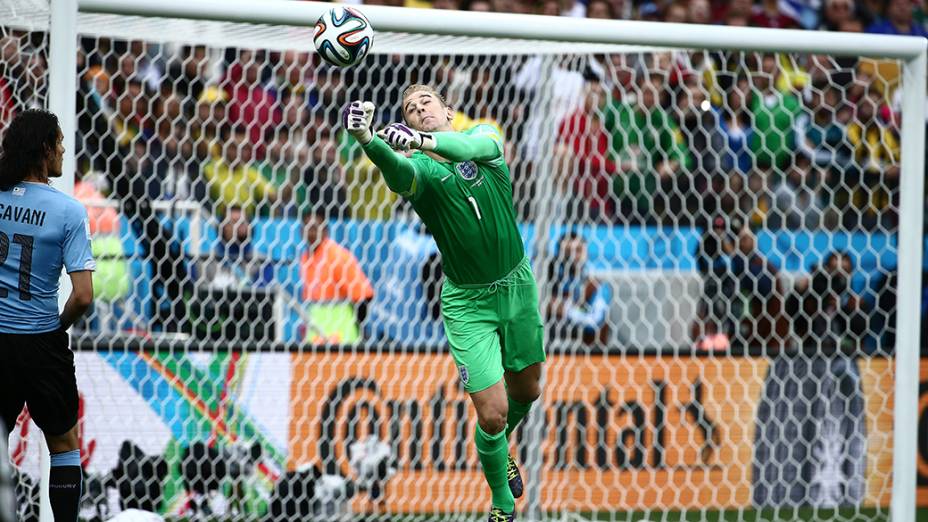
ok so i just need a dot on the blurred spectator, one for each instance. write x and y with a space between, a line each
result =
131 110
288 153
876 150
323 180
676 13
795 198
189 72
699 12
281 168
649 12
102 219
448 4
826 314
758 295
251 103
366 192
703 136
183 178
135 62
234 263
769 13
111 279
650 152
233 179
837 14
32 83
578 308
330 90
773 114
733 10
334 285
805 12
599 9
292 72
718 310
896 18
545 7
207 122
821 129
735 124
583 157
562 88
136 183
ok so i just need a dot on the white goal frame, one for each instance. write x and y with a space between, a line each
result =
912 51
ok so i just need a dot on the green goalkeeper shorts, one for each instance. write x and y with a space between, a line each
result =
493 328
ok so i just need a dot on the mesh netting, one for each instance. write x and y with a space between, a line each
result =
713 234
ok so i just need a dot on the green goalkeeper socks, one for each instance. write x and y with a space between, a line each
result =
493 451
517 412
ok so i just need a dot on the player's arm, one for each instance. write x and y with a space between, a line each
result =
455 146
80 299
397 170
79 263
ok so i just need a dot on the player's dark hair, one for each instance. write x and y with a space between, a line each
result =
31 137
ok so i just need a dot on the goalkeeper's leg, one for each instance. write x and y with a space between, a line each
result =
493 444
523 388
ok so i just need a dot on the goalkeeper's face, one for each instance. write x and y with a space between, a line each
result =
425 112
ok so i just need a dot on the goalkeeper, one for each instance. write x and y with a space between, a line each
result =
458 183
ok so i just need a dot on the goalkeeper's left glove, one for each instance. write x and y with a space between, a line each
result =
356 119
401 137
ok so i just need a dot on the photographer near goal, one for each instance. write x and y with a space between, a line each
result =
459 185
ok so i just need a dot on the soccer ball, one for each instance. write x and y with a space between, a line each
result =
343 36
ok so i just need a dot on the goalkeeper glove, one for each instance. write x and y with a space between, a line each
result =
356 118
401 137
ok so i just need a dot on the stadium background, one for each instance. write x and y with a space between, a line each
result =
150 124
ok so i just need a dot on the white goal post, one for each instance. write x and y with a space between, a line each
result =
912 52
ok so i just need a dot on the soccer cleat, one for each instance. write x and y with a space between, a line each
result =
498 515
514 477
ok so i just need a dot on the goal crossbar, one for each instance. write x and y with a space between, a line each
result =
533 27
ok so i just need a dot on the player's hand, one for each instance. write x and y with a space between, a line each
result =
356 118
401 137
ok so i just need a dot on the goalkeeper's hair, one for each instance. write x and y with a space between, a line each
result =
29 140
416 87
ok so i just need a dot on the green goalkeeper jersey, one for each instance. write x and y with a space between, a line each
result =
465 202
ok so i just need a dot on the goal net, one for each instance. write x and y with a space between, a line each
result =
714 234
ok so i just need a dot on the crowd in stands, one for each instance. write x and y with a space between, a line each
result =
725 141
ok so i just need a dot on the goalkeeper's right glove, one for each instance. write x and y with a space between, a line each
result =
356 118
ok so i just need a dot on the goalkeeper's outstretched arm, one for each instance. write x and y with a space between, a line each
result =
454 146
457 146
397 170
